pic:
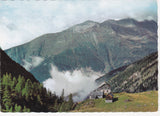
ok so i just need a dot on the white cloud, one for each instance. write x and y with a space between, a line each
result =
22 21
79 82
34 62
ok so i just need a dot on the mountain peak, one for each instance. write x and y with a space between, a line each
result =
88 22
128 20
85 26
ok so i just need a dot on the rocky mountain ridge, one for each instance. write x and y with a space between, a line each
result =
139 76
102 46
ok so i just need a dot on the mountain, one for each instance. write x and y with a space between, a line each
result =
139 76
102 46
21 92
9 66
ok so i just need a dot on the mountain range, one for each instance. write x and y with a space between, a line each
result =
102 46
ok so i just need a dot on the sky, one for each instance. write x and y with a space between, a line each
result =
23 21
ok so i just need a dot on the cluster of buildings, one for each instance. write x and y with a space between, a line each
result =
103 91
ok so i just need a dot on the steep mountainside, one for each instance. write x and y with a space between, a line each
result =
102 46
110 74
7 65
137 77
21 92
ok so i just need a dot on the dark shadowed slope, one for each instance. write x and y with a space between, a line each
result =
21 92
7 65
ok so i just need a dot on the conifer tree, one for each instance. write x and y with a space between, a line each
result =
26 109
62 96
27 91
7 80
0 88
6 99
56 104
20 85
70 102
18 108
13 83
39 99
62 107
11 109
35 87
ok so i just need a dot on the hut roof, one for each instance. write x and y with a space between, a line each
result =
104 84
109 96
96 93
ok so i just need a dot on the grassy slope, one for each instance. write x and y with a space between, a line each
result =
127 102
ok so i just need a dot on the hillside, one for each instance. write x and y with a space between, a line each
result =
21 92
125 102
9 66
102 46
110 74
139 76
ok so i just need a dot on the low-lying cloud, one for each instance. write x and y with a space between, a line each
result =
78 82
34 62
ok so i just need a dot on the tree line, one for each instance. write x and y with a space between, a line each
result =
22 95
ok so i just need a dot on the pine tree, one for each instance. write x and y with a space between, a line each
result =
70 102
20 84
13 83
27 91
49 93
6 99
39 99
11 109
26 109
7 80
18 108
62 107
3 79
35 87
56 104
62 96
0 89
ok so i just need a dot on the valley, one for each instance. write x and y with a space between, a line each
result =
79 56
65 67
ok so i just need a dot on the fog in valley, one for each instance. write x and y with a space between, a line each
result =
79 82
